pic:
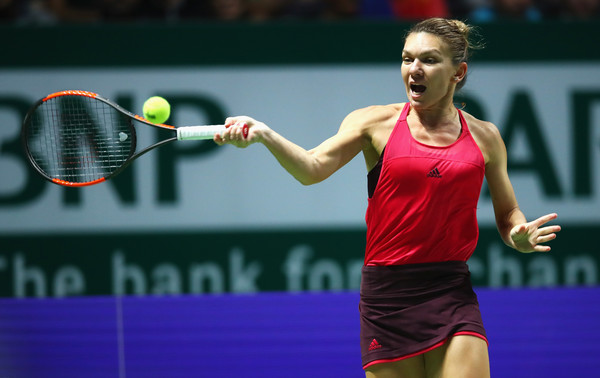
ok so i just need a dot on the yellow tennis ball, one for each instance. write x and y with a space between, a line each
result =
157 109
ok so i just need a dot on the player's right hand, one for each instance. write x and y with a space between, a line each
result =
234 132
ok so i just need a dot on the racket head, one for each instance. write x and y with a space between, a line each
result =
77 138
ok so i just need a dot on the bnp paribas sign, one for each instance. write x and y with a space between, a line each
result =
547 114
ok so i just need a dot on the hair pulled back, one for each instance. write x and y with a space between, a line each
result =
456 34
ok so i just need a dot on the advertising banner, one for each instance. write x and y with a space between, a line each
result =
193 217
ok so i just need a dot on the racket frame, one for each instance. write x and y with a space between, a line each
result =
132 117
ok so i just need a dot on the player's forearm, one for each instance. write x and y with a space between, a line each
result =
297 161
506 223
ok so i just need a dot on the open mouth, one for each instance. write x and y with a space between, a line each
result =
417 88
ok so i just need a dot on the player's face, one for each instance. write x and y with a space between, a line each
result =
427 70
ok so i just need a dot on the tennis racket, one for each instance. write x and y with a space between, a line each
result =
77 138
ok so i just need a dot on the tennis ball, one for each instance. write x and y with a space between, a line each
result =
157 109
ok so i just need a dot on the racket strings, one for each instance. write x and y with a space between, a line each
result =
79 139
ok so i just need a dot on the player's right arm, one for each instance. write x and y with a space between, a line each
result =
307 166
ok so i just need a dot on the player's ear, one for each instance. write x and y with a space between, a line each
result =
460 72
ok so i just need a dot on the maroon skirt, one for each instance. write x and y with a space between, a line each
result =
407 310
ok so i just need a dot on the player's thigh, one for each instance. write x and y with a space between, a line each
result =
462 356
409 368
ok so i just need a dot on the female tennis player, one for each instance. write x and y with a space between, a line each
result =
426 162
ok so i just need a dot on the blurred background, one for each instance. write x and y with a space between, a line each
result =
100 11
206 261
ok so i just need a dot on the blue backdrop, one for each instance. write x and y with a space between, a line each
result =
532 333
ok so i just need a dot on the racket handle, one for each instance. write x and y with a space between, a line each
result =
203 132
199 132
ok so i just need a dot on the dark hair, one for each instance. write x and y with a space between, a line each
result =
457 34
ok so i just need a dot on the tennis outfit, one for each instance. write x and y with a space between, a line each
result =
421 229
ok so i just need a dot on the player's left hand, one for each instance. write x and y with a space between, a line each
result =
529 237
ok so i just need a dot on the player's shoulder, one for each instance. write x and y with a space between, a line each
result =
481 129
486 135
374 114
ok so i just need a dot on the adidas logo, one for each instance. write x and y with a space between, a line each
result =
434 173
374 345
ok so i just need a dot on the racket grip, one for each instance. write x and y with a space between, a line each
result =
203 132
199 132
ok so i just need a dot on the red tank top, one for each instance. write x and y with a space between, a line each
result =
424 208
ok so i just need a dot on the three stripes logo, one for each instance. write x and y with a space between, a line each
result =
374 345
434 173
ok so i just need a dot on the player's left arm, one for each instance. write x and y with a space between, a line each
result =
512 224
